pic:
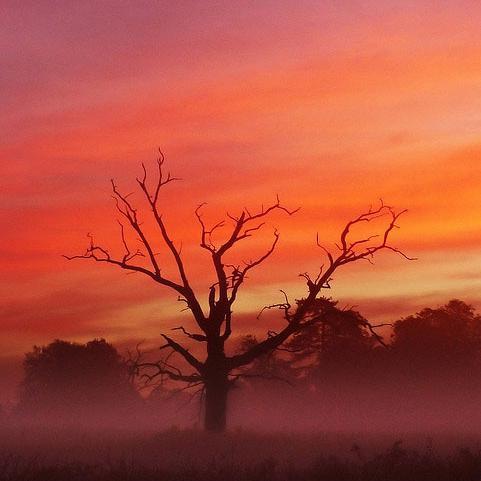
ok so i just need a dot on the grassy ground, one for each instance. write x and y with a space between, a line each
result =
68 455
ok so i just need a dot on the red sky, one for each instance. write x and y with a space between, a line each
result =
332 105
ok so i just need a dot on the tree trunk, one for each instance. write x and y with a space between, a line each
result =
216 390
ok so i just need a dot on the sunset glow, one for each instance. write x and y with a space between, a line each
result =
331 107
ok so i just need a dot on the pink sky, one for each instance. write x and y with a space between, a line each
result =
332 105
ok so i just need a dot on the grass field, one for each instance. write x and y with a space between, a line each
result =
71 455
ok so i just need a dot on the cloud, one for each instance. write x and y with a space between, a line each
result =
86 308
393 308
330 107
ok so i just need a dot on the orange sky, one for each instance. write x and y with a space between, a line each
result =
332 105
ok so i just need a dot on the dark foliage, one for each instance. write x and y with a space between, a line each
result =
446 338
342 347
66 380
336 372
340 344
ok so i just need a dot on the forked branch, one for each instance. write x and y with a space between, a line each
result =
101 254
129 212
350 251
149 371
224 292
190 358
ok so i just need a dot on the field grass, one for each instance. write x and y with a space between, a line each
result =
395 465
70 455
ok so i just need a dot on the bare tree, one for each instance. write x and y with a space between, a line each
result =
217 372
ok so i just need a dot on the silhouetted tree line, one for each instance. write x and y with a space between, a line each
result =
68 383
433 344
72 382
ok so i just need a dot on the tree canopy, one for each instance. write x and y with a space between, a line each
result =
65 379
447 337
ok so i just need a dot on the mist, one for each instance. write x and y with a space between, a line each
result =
389 407
387 427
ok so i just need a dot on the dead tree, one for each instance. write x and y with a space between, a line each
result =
216 372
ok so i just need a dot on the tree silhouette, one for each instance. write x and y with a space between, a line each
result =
447 338
75 381
341 349
343 342
273 365
214 321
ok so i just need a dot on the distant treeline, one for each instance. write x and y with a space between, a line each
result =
432 361
345 346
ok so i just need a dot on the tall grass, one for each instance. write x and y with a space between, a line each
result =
395 463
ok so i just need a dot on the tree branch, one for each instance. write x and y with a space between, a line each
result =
195 337
224 292
100 254
192 360
152 199
348 254
129 212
